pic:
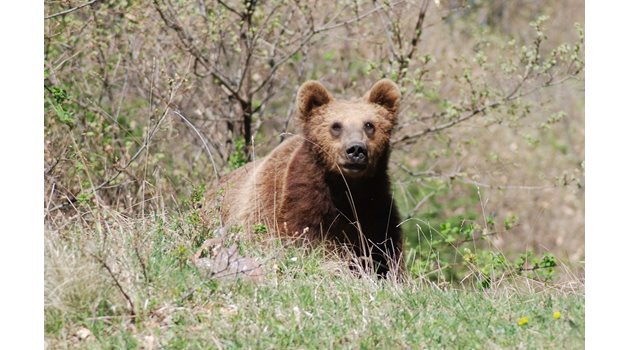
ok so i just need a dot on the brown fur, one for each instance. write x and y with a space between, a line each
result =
304 187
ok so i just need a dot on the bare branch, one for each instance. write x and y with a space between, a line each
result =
314 31
171 21
65 12
511 96
203 140
447 125
461 177
132 308
122 169
229 8
418 29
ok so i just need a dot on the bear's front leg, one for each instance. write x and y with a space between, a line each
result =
306 203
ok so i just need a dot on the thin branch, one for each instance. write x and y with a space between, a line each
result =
132 308
481 110
188 42
309 36
456 175
357 18
418 29
120 170
203 140
136 155
402 69
441 127
227 7
273 70
63 13
420 203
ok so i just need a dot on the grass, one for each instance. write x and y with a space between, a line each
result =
130 283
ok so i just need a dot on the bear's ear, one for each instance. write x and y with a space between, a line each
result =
384 93
311 95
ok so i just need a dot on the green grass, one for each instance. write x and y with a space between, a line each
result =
305 300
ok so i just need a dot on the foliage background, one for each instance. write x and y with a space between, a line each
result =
116 71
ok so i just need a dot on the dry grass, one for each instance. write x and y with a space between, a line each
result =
119 282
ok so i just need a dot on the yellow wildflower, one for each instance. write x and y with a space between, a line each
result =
556 315
523 321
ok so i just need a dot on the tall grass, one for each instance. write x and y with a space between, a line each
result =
113 281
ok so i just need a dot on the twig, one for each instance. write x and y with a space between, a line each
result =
203 140
420 203
120 170
477 110
171 21
404 61
440 127
358 18
460 177
227 7
132 308
480 110
142 264
314 31
63 13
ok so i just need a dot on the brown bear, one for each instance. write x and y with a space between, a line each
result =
329 182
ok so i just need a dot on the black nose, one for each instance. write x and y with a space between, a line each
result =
357 152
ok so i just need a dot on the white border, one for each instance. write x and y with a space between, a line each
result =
21 171
607 173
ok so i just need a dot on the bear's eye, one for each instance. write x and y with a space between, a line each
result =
335 128
369 127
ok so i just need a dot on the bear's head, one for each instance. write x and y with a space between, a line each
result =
351 137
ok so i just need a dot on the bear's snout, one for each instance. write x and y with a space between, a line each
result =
357 153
